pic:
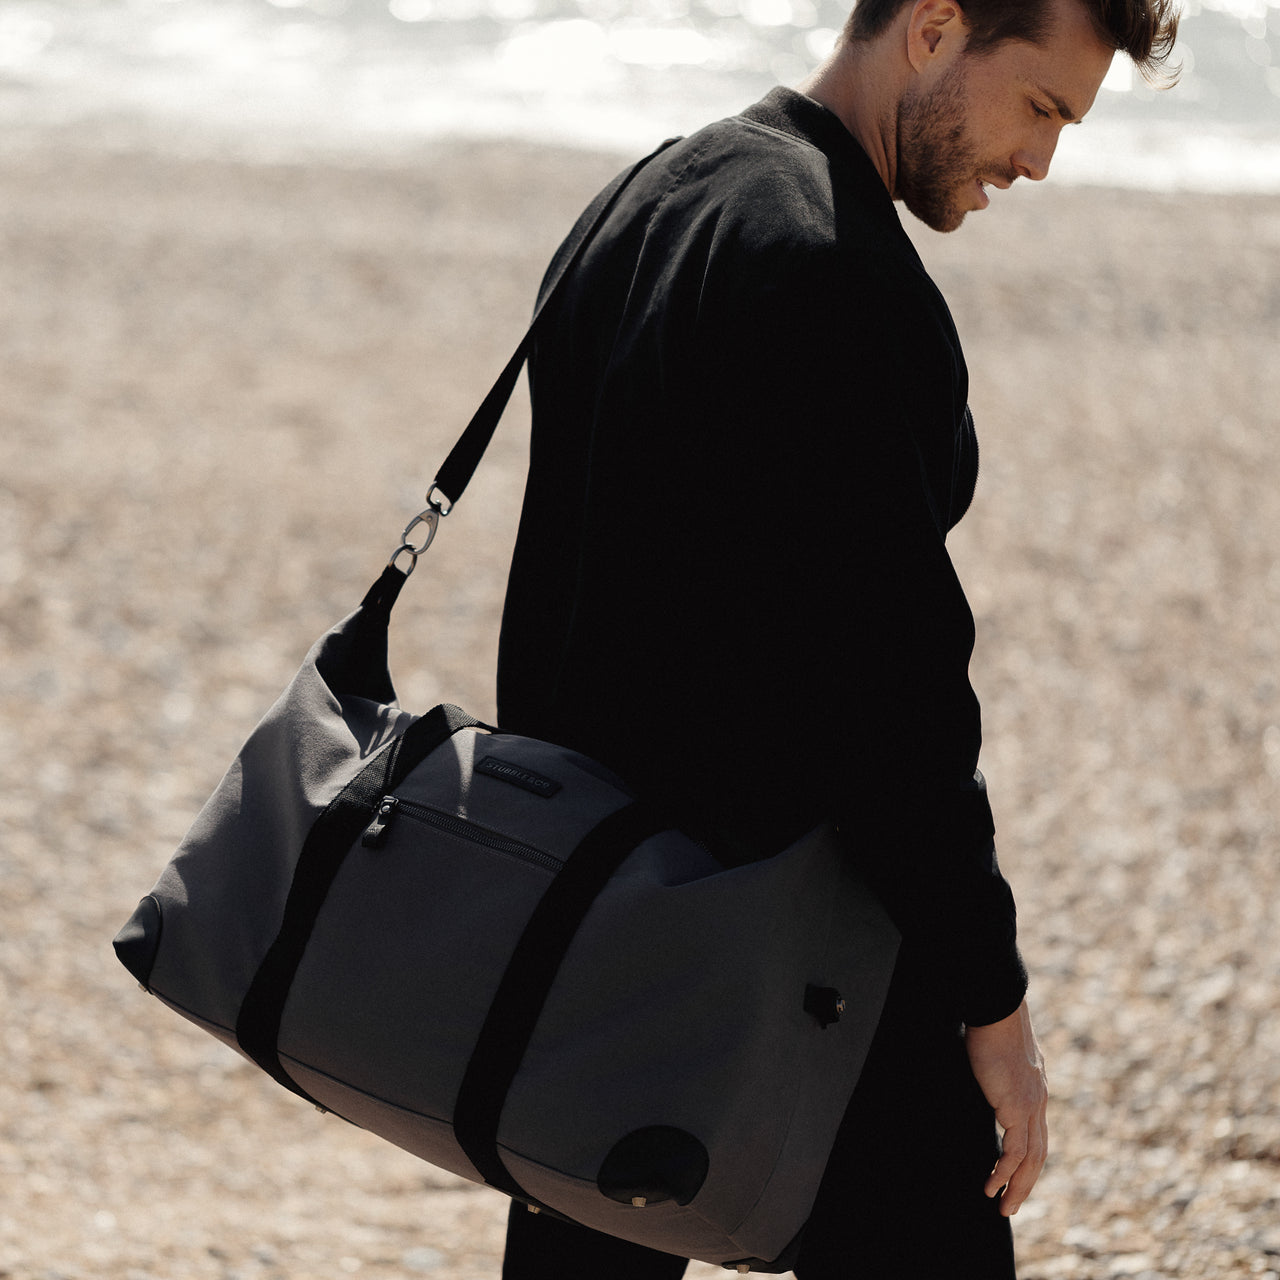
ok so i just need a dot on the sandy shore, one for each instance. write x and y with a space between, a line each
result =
225 388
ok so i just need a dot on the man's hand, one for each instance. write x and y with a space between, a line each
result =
1009 1068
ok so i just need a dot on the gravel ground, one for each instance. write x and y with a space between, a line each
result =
225 387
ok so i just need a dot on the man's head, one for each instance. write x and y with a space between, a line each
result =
952 96
1144 30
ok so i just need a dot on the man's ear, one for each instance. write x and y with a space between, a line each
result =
935 29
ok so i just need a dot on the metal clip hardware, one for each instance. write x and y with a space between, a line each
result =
438 506
430 518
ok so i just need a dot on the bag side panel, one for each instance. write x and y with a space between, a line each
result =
707 977
857 958
222 895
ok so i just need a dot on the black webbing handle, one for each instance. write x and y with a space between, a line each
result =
456 472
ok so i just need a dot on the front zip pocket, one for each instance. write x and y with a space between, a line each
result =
392 808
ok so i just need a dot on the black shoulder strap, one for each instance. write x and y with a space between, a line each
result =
464 457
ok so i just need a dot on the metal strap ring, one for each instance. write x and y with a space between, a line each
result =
437 501
406 551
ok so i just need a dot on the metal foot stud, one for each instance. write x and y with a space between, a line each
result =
743 1269
639 1201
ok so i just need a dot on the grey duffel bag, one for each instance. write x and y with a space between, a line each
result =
486 950
483 948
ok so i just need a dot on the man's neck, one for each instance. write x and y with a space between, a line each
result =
851 85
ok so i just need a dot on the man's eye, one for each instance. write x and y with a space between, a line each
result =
1040 111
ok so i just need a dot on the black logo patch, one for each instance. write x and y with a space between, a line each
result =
525 779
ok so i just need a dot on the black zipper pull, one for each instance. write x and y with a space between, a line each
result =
376 832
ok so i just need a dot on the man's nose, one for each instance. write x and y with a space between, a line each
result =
1033 161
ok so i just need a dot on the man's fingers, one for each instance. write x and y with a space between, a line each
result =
1008 1066
1018 1189
1021 1161
1006 1167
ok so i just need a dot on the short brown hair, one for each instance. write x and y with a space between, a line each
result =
1143 29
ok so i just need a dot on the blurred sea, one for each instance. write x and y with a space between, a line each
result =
290 78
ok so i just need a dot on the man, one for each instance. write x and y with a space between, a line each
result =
750 439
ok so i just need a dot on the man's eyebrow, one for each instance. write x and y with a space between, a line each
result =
1063 109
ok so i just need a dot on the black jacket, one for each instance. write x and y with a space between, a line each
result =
750 438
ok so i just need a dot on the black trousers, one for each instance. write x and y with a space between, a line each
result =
902 1195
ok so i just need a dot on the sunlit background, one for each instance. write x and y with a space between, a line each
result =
226 384
291 75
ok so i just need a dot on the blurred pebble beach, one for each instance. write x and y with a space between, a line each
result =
226 388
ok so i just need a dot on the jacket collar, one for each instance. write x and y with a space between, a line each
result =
792 113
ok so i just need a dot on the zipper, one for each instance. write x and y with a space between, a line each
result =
392 807
376 832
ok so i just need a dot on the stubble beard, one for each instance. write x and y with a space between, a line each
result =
936 160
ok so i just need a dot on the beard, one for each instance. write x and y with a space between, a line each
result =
937 161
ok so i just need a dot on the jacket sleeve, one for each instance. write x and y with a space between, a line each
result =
842 395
